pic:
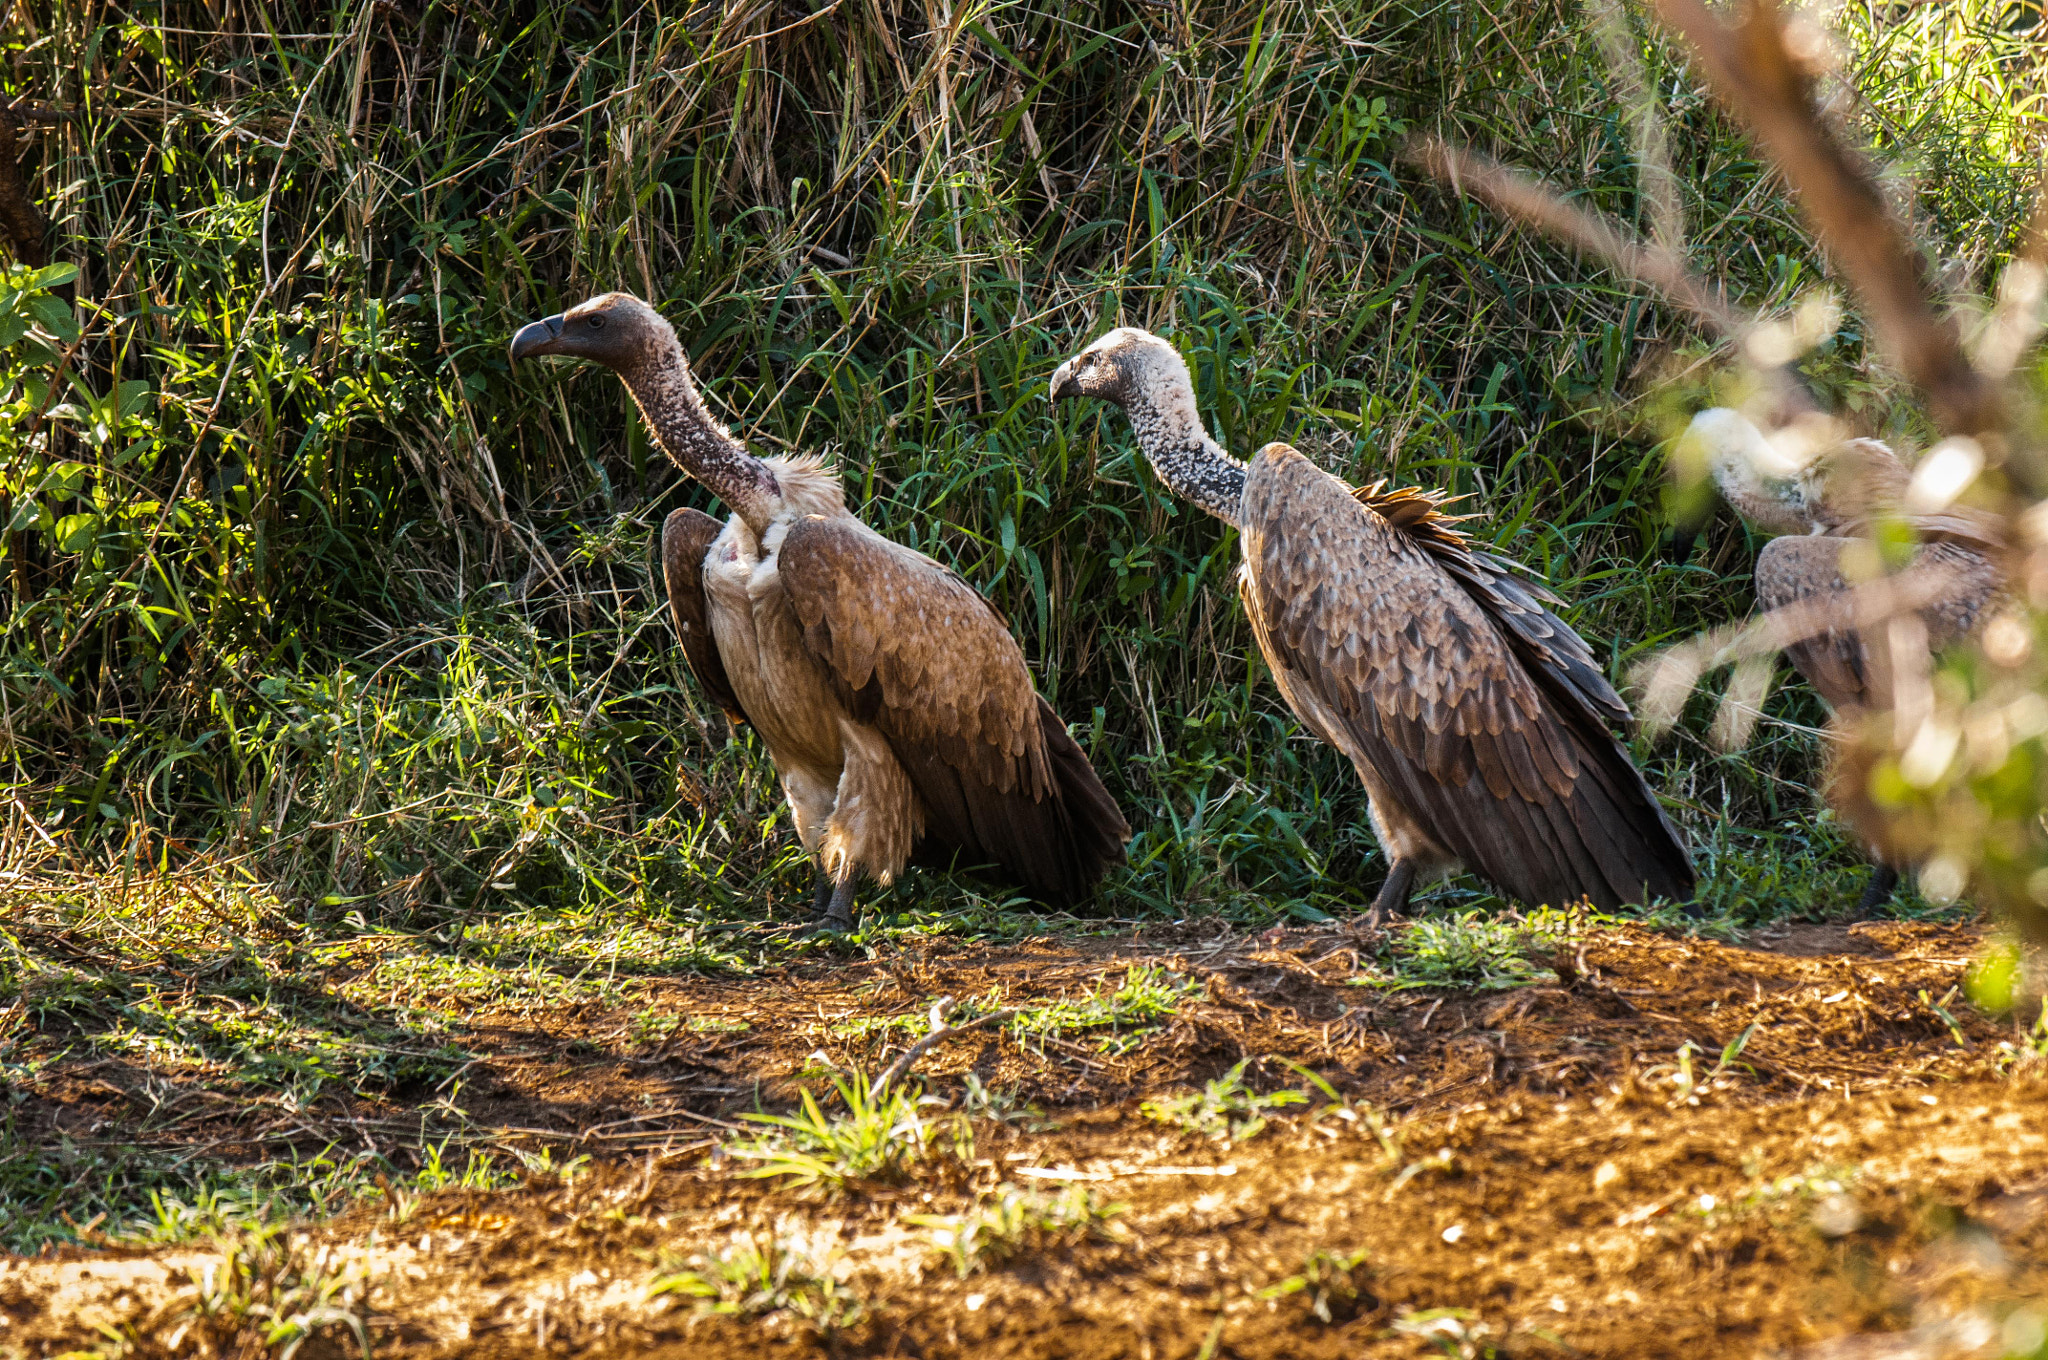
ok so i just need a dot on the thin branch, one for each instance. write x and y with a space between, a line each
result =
1754 72
1531 201
21 111
898 1069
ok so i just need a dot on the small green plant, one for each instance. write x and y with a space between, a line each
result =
264 1297
978 1101
2030 1050
1224 1110
878 1138
1473 950
1015 1221
1330 1282
1455 1332
1359 1115
759 1274
1687 1086
1945 1015
1147 997
652 1027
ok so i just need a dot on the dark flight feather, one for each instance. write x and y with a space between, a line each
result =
1482 711
686 536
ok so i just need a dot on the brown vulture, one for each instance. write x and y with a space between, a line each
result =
893 699
1821 508
1477 719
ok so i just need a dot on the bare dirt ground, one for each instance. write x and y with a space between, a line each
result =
1531 1171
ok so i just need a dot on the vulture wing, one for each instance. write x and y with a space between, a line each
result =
1480 711
686 536
915 651
1799 568
1796 569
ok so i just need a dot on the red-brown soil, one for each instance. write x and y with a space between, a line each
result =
1544 1174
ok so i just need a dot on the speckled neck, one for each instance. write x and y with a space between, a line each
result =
669 401
1185 457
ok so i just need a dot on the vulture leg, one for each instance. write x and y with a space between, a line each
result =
821 901
836 912
1883 879
1393 898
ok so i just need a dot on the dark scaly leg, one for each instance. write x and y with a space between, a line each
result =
1393 898
821 900
835 913
1883 879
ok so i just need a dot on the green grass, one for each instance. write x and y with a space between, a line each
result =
1224 1110
761 1275
1013 1223
310 601
877 1137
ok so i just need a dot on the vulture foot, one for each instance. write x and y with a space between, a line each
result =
832 908
1883 879
1393 898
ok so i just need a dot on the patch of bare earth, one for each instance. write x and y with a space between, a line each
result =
1546 1173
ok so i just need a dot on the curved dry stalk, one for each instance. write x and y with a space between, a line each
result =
895 1071
1529 200
1754 73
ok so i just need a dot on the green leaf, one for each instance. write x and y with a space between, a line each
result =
57 317
51 276
76 533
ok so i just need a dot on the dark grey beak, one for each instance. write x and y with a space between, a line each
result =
537 338
1063 384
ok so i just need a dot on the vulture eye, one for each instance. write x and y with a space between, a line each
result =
595 323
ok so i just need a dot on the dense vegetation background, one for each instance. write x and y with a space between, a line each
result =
305 584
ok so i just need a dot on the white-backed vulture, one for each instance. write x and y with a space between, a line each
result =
1821 510
1477 720
895 703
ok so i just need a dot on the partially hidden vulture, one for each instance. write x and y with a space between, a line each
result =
891 696
1477 719
1822 509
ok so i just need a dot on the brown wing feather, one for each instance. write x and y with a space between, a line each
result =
1836 662
1797 568
1479 709
685 537
915 651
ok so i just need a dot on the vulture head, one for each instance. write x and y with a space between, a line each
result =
1770 482
1129 367
617 330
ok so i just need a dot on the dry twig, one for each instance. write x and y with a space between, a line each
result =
1754 71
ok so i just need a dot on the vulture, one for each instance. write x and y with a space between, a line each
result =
891 696
1476 718
1819 510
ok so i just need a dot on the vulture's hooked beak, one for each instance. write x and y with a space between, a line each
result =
1063 384
537 337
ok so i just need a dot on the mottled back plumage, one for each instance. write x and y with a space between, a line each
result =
916 651
1445 676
